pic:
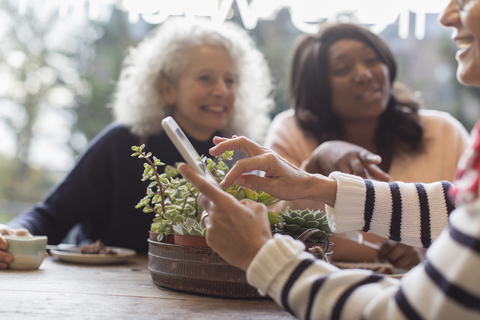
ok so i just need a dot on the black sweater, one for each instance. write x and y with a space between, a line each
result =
101 192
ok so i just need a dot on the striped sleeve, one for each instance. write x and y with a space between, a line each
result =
445 286
412 213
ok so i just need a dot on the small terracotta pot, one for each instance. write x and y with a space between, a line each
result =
166 239
190 241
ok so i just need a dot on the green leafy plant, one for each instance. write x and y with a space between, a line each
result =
174 200
171 199
189 227
219 169
295 222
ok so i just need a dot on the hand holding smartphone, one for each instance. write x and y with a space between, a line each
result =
188 152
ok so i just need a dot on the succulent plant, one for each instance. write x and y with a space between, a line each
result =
295 222
241 193
161 227
174 200
219 169
171 198
190 227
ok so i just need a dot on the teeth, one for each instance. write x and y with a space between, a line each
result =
368 94
464 44
214 108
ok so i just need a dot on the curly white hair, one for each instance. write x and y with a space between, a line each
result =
138 103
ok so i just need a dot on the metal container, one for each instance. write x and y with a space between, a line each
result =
201 270
196 269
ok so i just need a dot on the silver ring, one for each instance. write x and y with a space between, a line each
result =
203 216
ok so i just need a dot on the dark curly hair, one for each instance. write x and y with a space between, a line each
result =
399 129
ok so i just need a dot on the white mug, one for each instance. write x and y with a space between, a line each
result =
28 251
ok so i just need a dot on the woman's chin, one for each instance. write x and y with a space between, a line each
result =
218 121
469 76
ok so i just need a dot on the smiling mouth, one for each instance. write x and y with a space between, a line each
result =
368 94
214 108
464 43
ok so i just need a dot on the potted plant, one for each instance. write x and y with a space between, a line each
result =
309 226
169 198
174 200
198 268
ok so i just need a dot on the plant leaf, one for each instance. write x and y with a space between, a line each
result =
250 194
272 218
177 228
160 236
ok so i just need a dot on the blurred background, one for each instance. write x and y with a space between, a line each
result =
60 59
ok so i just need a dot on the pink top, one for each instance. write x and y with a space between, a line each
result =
468 172
445 139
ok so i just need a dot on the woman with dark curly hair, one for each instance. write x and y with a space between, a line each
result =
316 104
349 115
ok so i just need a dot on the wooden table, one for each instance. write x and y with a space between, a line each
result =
60 290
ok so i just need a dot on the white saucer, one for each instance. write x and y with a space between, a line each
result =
122 255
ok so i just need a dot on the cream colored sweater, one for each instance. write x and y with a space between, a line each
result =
445 286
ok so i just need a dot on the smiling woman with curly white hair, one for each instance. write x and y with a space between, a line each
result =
210 78
140 105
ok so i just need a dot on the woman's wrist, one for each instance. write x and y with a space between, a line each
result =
322 189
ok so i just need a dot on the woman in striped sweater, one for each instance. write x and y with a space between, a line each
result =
445 286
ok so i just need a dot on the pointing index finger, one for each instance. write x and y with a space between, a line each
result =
212 192
243 144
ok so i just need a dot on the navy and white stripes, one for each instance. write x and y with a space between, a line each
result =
445 286
425 233
398 211
291 280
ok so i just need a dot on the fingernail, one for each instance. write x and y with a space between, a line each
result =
8 259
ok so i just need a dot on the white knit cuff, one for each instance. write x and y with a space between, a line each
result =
348 212
271 259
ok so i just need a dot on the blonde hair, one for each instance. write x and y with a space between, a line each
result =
138 103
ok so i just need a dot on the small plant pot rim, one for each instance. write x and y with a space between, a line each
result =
311 244
190 241
166 239
310 232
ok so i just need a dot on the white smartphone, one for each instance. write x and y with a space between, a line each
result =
183 145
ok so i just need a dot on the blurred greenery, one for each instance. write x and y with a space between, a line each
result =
94 115
19 191
21 184
27 187
4 217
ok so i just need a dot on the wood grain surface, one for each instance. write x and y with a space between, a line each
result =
60 290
